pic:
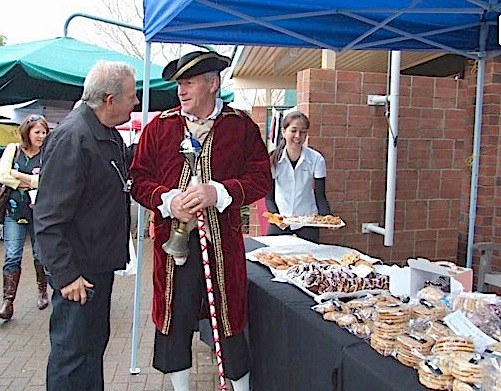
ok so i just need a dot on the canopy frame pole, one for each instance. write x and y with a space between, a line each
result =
391 170
477 135
134 369
99 19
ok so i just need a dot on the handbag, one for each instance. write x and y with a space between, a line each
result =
5 193
4 198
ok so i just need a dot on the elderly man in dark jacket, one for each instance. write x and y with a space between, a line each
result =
82 218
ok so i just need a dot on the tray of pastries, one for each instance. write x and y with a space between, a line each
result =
324 281
322 271
312 220
281 258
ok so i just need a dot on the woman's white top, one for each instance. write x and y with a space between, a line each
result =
6 165
294 188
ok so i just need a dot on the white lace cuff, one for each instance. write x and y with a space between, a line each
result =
164 207
223 197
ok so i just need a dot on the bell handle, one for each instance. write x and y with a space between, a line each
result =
194 180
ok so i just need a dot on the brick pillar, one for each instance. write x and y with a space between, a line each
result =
259 117
353 138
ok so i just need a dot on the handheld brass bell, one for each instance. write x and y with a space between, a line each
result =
177 245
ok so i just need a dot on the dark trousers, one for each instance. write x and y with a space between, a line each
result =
78 338
173 352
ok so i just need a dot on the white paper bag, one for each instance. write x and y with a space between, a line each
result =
131 267
33 195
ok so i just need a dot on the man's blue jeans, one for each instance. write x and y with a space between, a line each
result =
14 235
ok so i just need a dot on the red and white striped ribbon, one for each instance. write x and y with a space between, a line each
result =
210 295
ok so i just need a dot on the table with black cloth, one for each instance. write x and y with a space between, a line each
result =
294 349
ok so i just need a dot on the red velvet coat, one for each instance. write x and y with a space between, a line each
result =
241 163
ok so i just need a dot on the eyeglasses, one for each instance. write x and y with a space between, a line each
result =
36 117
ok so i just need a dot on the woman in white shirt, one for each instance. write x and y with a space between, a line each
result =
298 175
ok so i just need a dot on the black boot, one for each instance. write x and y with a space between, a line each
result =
10 283
43 299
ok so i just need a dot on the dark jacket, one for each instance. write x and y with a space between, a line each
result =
82 214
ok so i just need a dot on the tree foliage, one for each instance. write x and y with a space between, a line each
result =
131 41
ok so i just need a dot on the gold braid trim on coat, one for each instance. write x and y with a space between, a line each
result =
215 232
170 263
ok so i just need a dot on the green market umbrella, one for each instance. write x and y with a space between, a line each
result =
55 69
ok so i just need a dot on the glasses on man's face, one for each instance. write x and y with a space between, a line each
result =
36 117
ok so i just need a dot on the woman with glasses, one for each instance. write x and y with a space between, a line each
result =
19 169
298 173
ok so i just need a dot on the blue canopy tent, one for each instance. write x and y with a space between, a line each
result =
464 27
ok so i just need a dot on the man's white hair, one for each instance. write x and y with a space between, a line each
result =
105 78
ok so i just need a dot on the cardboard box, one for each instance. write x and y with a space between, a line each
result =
408 280
460 278
400 278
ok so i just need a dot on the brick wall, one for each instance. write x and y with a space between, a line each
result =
435 143
352 136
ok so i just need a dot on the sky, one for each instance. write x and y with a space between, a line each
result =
32 20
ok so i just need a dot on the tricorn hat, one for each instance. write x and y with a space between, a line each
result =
195 63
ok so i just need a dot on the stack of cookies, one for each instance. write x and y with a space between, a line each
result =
434 373
453 344
456 361
411 348
437 329
392 320
467 368
492 367
428 310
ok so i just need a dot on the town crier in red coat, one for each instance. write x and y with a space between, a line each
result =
233 170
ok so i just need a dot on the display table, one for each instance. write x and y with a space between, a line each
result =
294 349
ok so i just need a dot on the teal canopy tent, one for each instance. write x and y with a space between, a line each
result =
55 69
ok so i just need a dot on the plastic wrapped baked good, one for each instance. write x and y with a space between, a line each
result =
413 347
434 372
467 367
331 306
452 344
431 293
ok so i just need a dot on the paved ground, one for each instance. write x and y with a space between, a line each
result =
24 344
